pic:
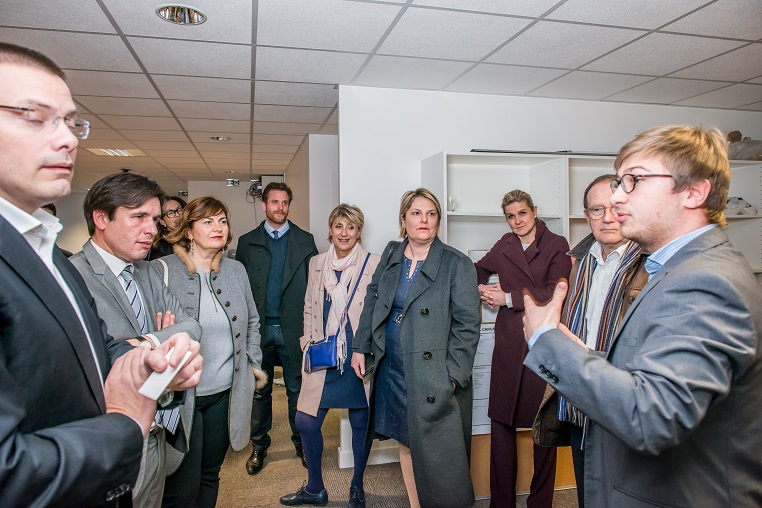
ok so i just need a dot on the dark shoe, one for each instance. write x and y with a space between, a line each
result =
302 497
256 462
356 498
300 454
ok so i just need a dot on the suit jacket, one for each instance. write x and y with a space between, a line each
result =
312 383
438 335
59 448
676 404
252 251
114 308
515 393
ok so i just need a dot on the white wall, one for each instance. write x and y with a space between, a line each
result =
298 178
385 133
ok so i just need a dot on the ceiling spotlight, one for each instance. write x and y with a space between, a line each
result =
180 14
230 171
221 138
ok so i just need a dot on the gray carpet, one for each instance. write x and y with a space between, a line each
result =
283 472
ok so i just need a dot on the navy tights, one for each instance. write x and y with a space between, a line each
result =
312 440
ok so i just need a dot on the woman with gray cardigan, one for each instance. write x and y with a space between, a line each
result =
215 290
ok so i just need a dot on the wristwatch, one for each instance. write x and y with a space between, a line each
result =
143 342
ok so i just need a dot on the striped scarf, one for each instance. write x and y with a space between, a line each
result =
574 313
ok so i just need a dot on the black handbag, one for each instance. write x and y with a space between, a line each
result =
321 354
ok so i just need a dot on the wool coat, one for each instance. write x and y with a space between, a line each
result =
515 392
228 280
439 334
253 253
312 383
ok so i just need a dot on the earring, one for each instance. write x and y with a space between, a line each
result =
191 247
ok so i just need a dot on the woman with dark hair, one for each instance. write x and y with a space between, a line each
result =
170 217
215 290
418 333
336 287
528 259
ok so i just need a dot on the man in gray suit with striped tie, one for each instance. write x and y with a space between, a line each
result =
121 212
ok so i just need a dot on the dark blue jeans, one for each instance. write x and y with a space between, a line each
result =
273 346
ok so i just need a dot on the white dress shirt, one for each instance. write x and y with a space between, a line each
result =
599 288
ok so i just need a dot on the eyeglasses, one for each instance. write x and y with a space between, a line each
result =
39 118
597 212
173 213
628 181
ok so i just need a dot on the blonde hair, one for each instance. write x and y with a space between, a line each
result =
350 213
199 208
407 201
691 154
516 196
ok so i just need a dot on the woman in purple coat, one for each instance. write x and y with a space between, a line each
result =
529 258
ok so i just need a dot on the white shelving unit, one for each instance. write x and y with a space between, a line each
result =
476 183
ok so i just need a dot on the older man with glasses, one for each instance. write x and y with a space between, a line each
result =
674 406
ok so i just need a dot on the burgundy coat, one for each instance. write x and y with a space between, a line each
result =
516 392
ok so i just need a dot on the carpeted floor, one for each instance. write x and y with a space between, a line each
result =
283 472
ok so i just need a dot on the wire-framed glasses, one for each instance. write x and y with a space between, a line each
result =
40 117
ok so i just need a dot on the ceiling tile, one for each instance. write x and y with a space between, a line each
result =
228 21
503 79
212 110
733 96
334 118
149 135
658 54
588 85
665 91
123 106
757 106
277 139
534 8
298 114
285 128
738 65
756 80
204 89
159 154
141 122
75 50
418 73
634 13
223 147
274 148
162 56
262 156
205 136
296 94
449 34
563 45
95 143
329 129
323 24
112 84
217 156
84 15
164 145
104 135
203 125
738 19
278 64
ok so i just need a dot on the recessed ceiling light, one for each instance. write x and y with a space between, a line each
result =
230 171
180 14
117 152
221 138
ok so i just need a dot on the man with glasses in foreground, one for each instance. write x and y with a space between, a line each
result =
674 406
73 422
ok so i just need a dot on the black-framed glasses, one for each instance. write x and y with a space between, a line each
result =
628 181
172 213
39 118
597 212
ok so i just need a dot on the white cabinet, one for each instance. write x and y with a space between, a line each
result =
471 187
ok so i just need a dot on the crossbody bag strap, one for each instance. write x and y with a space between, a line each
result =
357 283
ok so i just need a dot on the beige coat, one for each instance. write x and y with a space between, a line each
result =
312 384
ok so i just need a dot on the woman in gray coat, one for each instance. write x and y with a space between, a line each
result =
418 332
215 290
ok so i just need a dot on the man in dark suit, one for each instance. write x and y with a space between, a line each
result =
674 406
73 422
276 255
121 211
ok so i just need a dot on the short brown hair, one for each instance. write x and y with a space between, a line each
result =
407 201
691 154
351 213
277 186
129 190
19 55
516 196
199 208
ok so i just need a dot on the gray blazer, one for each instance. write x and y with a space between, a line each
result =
676 405
115 309
231 288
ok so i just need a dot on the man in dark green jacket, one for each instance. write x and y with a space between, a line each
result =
276 255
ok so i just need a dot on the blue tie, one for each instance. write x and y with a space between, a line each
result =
131 288
276 234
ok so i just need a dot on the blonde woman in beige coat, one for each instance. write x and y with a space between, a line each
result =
333 276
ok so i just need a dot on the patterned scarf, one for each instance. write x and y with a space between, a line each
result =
338 293
574 313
